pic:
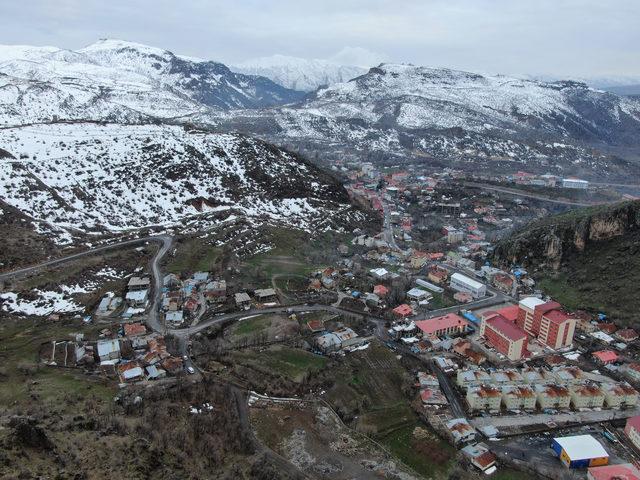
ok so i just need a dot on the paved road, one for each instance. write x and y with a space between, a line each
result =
153 319
58 261
520 193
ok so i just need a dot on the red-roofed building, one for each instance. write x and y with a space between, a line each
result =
605 356
607 327
134 329
503 282
546 321
403 311
510 312
438 275
446 325
380 290
632 429
621 471
504 336
435 256
627 334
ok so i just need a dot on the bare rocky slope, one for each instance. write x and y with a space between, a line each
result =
587 258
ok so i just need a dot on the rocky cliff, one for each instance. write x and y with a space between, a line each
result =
554 240
586 259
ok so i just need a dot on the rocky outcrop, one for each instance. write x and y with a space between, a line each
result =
550 241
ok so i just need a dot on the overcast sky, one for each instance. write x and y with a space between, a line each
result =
550 37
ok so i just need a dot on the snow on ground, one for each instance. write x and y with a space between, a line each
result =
48 302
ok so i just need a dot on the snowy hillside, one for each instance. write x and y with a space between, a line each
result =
123 81
90 177
403 111
299 73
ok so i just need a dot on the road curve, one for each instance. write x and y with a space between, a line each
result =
153 320
58 261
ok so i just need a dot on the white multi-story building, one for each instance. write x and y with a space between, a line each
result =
462 283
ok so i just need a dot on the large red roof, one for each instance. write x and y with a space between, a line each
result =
634 422
510 312
433 325
556 316
625 471
506 328
548 306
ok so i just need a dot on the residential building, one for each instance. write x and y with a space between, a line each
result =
547 322
403 311
418 295
627 334
108 349
619 395
461 430
575 183
134 329
449 324
565 375
137 298
586 396
380 290
462 283
265 294
470 378
433 396
632 430
480 456
605 357
138 283
503 282
580 451
242 299
484 397
455 236
518 397
504 336
174 318
429 286
552 396
531 375
215 290
621 471
633 371
506 377
438 275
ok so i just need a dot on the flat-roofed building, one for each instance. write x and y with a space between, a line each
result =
552 396
586 396
531 375
484 397
462 283
566 375
580 451
618 395
517 397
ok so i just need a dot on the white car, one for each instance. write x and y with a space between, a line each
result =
191 370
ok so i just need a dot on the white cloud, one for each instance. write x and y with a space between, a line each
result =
358 56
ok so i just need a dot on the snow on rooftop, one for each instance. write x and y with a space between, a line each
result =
581 447
531 302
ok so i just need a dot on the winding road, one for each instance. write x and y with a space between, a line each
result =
21 272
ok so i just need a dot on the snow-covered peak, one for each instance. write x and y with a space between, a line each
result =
299 73
111 44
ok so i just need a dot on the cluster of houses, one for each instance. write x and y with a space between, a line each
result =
131 355
183 300
526 389
136 299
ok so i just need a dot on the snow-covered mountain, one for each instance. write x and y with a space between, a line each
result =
123 81
404 111
299 73
90 177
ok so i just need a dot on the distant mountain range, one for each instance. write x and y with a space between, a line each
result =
124 82
299 73
391 113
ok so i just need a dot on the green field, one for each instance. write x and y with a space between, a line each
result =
25 381
291 363
193 255
252 325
